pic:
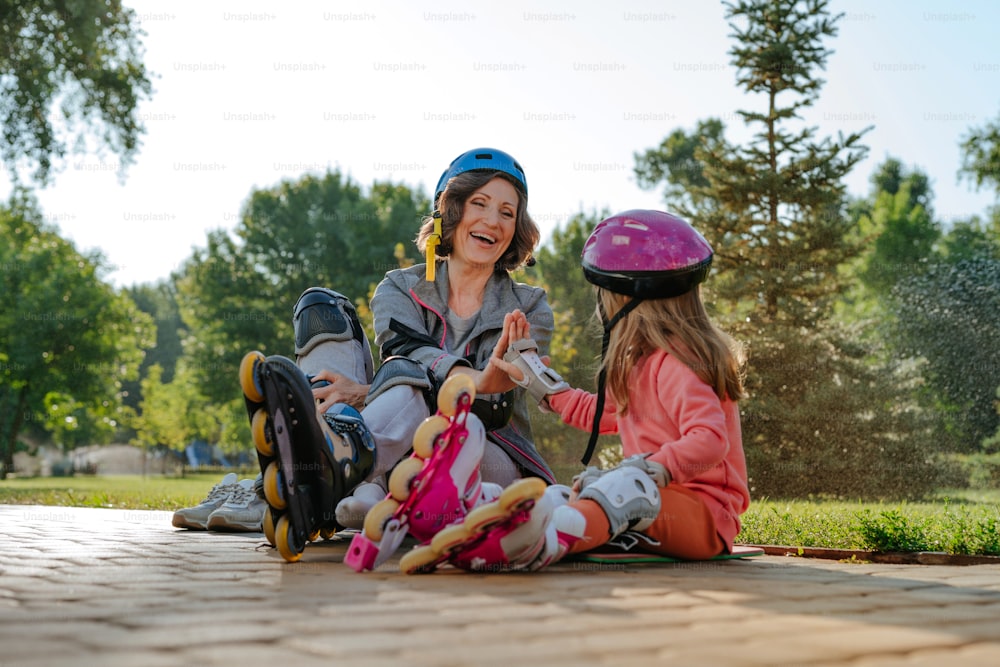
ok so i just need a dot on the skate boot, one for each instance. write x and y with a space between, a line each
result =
433 488
527 528
309 461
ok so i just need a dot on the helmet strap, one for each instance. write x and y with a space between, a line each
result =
602 375
433 241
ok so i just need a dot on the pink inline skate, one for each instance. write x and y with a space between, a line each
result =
435 487
528 527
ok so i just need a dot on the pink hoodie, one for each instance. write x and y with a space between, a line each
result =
678 419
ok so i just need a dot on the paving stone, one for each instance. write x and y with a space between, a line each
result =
83 586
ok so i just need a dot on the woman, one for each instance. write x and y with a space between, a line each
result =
447 317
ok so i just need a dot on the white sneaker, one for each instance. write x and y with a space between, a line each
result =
243 512
196 517
351 511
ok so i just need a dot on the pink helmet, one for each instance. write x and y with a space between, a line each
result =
646 254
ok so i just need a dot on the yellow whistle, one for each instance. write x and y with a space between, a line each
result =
433 241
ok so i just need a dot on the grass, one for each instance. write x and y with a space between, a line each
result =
957 522
970 526
116 492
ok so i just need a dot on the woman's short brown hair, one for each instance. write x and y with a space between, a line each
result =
452 207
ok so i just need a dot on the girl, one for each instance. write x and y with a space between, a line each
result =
668 385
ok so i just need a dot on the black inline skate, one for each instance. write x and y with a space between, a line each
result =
309 462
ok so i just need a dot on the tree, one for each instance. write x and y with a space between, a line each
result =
891 177
946 317
676 163
780 221
895 225
238 293
67 336
973 238
228 308
981 165
175 413
85 56
950 318
821 416
159 301
161 419
323 230
981 155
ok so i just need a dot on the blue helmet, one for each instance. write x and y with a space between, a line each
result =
480 159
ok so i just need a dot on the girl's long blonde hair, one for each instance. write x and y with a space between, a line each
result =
681 327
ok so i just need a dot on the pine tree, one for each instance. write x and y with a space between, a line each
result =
779 200
821 417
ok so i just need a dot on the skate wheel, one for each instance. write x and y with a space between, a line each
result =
313 536
419 560
485 517
248 366
377 517
268 522
427 434
272 487
521 494
401 479
258 428
327 533
450 537
456 390
283 539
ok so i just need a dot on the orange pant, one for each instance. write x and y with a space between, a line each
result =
684 527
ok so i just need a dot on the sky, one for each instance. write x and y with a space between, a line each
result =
248 94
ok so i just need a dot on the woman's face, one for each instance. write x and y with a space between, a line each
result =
487 225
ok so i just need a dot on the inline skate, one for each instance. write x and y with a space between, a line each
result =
434 487
527 527
309 461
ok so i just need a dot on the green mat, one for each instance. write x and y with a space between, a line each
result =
611 555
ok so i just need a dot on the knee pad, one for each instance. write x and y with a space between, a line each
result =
324 316
400 370
629 497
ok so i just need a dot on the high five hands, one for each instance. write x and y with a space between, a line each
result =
496 377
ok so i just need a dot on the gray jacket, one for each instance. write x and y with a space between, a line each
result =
409 317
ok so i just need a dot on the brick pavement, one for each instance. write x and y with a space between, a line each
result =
82 587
